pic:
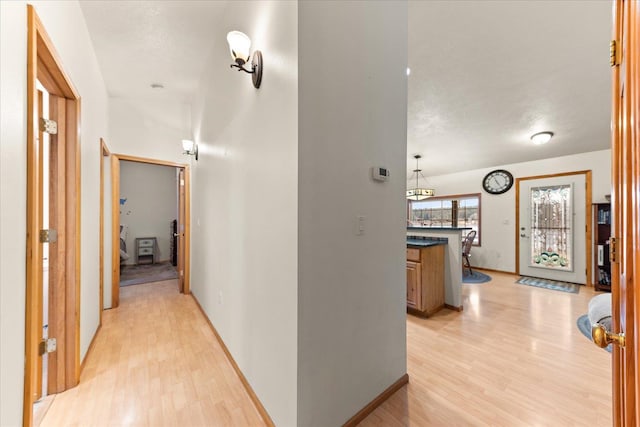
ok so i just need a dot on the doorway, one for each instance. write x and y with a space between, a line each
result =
131 247
553 225
52 322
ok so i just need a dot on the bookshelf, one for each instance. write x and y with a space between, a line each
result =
601 235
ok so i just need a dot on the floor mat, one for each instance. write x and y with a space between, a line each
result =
145 273
549 284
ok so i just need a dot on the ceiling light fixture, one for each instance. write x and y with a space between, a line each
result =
157 86
408 71
190 148
239 45
419 193
541 137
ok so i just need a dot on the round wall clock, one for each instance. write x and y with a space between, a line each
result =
497 182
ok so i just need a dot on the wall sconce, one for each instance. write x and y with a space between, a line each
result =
239 44
190 148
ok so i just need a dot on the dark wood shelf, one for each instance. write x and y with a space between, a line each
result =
601 235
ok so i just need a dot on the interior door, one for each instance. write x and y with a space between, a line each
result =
181 228
625 224
552 223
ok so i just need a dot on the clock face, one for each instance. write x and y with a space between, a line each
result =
497 182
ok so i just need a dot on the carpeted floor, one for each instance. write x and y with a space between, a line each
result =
475 277
145 273
549 284
585 327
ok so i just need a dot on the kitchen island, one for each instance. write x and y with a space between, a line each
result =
425 275
452 259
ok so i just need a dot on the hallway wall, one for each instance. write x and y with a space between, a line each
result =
244 208
352 287
65 25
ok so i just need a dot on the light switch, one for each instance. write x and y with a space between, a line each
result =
360 225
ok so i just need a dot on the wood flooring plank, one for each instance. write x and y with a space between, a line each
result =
513 357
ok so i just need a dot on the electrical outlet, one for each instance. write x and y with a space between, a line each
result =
359 225
219 297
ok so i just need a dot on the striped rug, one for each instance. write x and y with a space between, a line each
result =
549 284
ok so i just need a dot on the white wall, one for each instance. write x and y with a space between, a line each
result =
152 128
151 204
498 212
65 25
245 205
352 289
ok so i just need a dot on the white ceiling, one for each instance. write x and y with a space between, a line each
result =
485 75
138 43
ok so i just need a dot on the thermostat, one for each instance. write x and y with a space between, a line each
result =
379 173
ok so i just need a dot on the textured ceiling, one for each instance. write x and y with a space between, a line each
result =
485 75
138 43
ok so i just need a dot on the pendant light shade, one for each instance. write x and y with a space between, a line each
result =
419 193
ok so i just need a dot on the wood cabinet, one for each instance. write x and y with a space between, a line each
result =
601 235
425 280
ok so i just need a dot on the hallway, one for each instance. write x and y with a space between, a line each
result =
155 362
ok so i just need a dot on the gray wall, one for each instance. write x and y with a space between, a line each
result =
352 288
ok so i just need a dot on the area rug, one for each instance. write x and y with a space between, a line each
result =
549 284
145 273
475 277
585 327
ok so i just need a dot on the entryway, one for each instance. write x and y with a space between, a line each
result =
145 239
553 224
52 324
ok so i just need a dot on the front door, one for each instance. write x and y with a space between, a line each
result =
551 227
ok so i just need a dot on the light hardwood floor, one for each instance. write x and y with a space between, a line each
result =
513 357
155 362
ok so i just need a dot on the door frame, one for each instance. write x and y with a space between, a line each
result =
115 220
44 65
587 210
104 152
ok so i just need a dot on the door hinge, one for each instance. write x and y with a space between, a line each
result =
613 249
47 346
48 236
614 56
48 126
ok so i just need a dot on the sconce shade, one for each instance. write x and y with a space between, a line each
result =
239 46
187 146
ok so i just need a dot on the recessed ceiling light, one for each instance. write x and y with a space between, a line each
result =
157 86
541 137
408 71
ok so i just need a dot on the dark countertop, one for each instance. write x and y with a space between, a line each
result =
425 242
439 228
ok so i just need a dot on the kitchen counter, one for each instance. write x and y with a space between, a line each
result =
452 259
425 242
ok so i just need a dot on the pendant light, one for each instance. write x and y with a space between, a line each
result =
419 193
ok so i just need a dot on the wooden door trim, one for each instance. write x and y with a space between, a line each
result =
44 64
104 152
115 216
587 209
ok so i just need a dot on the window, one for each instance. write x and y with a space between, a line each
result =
447 211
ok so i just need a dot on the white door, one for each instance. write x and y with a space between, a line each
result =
552 228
